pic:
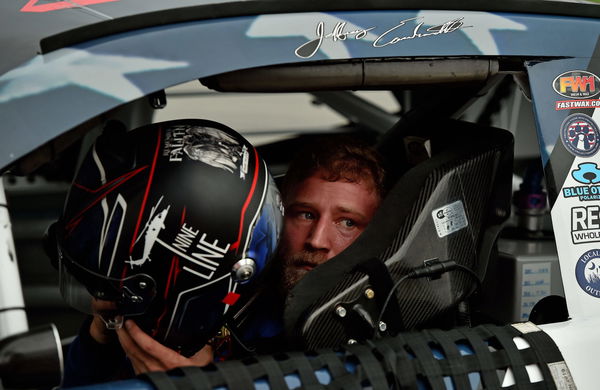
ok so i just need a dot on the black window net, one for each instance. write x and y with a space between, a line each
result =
511 357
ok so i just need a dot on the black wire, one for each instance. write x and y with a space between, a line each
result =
390 294
472 273
413 274
232 332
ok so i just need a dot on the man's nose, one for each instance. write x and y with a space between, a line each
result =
319 237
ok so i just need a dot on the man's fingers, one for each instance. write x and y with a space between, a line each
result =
147 354
132 350
140 360
148 344
203 356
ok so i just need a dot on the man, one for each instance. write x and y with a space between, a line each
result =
330 193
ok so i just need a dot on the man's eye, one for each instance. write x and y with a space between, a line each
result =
348 223
306 215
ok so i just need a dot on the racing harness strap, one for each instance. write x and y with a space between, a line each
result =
512 357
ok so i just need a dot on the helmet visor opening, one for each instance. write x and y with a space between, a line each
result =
93 293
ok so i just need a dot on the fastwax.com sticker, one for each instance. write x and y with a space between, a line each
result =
449 218
579 133
587 272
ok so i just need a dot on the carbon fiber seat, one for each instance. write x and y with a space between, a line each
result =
448 207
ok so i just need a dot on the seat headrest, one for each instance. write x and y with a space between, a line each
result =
449 207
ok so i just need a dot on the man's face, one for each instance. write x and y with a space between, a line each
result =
322 218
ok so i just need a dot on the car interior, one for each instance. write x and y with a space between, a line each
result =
458 132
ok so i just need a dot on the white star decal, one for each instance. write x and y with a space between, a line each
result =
102 73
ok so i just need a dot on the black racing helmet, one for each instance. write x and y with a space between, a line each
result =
170 224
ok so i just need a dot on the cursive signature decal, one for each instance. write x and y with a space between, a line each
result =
309 48
391 36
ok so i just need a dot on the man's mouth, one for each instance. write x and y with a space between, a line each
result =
304 265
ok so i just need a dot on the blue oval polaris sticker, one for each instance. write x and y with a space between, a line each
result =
587 272
577 84
579 133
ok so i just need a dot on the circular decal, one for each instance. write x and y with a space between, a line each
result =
587 272
577 84
579 134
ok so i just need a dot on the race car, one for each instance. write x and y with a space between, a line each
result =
480 270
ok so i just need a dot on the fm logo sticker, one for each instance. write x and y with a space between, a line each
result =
587 272
577 84
579 133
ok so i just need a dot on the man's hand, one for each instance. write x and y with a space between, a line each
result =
147 354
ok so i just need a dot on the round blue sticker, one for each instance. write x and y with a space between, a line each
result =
587 272
580 135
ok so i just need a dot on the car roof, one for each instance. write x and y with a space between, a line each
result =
38 26
71 64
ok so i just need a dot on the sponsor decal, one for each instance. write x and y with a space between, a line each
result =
572 104
403 31
449 218
586 173
584 193
44 6
577 84
203 256
587 272
173 147
156 222
585 224
208 145
579 133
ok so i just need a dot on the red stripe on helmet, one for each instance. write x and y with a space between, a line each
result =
143 206
110 183
116 183
236 244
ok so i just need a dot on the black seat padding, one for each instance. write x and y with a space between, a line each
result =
470 169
